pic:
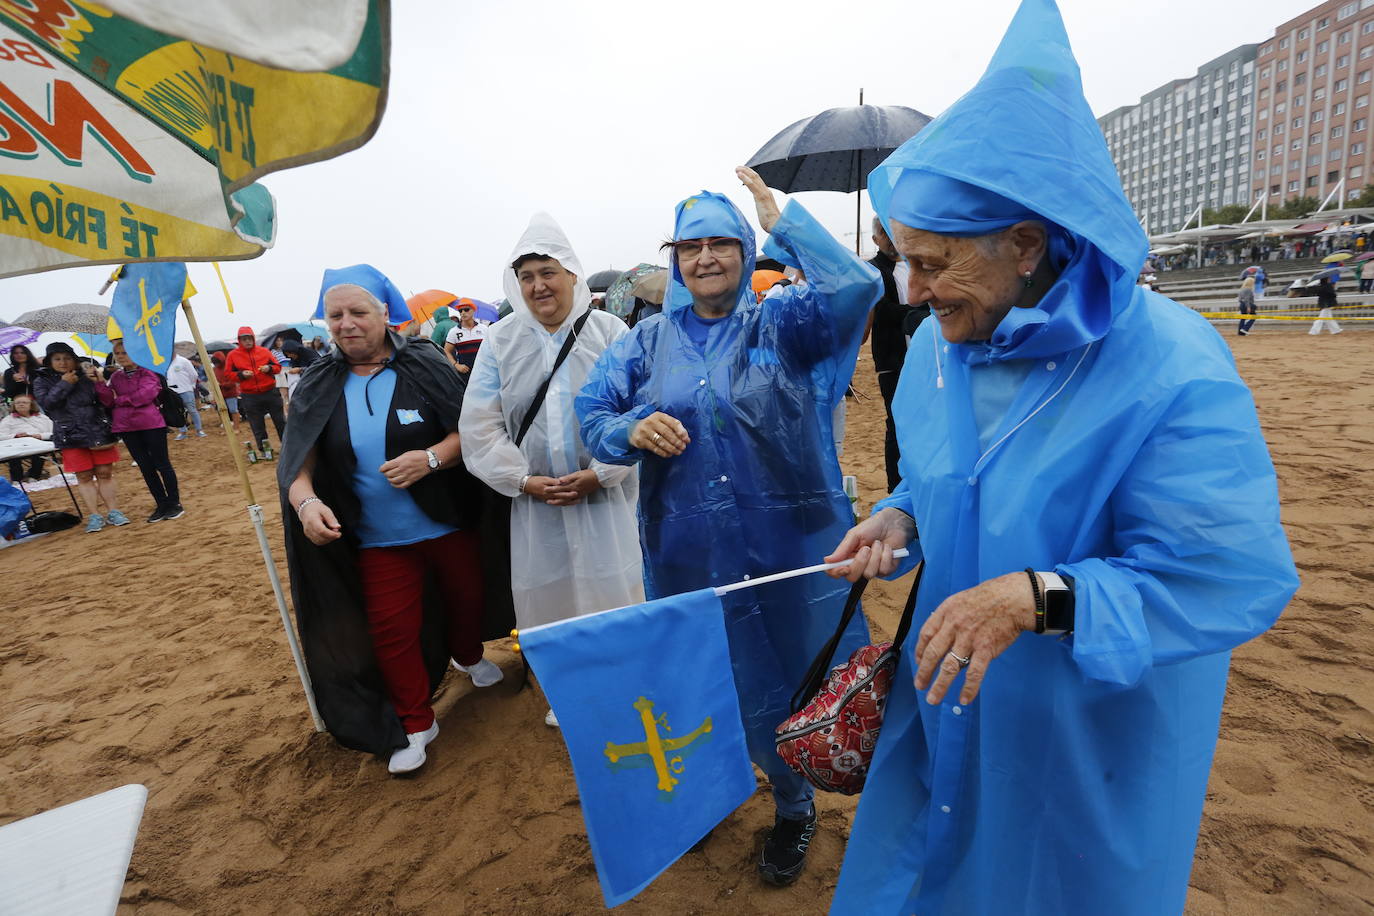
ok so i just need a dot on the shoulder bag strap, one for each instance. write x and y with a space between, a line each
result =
820 667
539 395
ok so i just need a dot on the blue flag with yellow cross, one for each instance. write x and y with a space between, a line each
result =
144 311
646 702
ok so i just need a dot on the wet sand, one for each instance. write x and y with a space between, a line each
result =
154 654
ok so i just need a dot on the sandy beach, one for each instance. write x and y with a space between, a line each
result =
154 654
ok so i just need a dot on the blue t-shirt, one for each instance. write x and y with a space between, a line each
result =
698 328
390 516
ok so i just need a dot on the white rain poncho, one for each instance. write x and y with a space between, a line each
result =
571 560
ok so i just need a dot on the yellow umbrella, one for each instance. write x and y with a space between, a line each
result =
1337 256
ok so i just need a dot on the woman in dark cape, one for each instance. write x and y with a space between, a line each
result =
326 584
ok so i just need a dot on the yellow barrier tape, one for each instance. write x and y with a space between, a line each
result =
1238 315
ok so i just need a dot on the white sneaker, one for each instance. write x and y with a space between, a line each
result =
550 719
483 674
411 757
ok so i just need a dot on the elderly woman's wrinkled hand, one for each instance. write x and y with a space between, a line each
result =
319 523
869 546
968 630
661 434
406 468
764 201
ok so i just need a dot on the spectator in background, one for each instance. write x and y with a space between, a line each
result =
19 375
228 388
298 359
256 369
465 337
1246 301
1326 301
81 429
26 422
130 392
182 378
444 322
283 380
887 324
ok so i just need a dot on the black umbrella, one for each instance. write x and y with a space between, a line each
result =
836 149
288 331
602 280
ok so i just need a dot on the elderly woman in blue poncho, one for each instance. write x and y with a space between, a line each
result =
1097 513
726 405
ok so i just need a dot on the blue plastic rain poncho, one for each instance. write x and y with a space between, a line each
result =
758 490
1119 447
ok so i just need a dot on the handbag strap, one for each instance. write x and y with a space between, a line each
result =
820 666
539 395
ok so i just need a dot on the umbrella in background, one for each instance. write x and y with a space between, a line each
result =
620 297
73 318
652 287
484 311
763 281
836 149
220 346
1336 256
130 143
299 332
422 305
1362 257
601 281
12 336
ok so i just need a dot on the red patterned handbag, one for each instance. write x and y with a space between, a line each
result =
835 721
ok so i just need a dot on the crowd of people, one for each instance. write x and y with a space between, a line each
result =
1071 457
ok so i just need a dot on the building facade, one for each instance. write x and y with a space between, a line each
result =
1189 142
1313 88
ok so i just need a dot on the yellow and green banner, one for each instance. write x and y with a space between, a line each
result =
119 142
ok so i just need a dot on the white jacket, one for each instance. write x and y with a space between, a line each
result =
181 375
13 425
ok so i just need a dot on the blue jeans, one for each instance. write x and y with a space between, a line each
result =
189 399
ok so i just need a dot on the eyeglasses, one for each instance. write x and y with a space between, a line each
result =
465 311
691 249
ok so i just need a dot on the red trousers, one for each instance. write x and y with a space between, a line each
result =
393 589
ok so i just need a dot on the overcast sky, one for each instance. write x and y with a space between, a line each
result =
605 114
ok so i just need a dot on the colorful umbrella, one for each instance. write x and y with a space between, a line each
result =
12 336
124 143
422 305
620 297
763 281
1362 257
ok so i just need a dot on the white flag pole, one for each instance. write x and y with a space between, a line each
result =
899 553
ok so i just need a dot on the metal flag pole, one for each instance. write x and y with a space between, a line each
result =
255 513
744 583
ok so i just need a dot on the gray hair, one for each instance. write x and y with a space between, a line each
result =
376 303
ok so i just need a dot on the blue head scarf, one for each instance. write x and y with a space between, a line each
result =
708 215
1023 144
372 280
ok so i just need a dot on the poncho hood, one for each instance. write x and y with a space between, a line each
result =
1025 135
543 236
707 215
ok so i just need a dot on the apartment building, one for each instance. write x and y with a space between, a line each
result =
1188 142
1313 86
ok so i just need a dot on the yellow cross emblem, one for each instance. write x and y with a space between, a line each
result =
657 746
148 320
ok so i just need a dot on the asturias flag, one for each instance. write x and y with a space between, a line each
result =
646 702
145 309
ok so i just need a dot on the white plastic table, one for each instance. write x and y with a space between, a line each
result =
70 861
28 447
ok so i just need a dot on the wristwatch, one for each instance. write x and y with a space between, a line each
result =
1058 591
433 459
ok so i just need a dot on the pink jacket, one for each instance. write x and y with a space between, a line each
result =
132 399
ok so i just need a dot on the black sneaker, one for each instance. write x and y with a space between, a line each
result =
173 511
158 515
784 849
